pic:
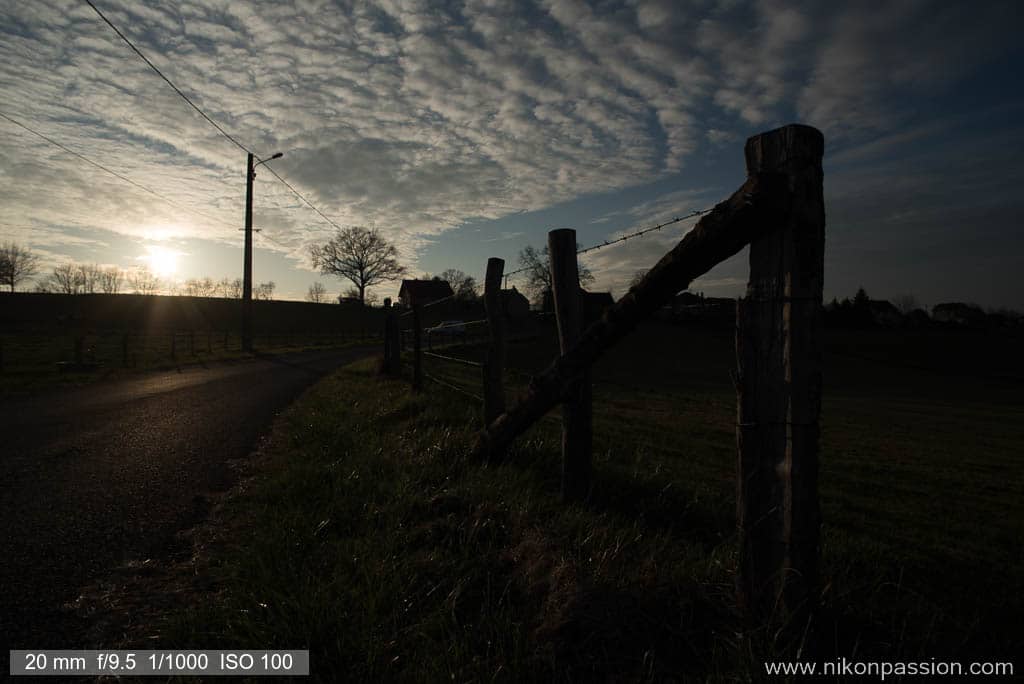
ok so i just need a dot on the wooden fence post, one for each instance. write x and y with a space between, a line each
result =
387 335
192 342
778 349
124 350
576 408
174 342
417 350
494 364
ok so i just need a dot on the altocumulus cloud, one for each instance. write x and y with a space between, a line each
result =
415 116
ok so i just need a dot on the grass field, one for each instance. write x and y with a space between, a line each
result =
32 359
371 540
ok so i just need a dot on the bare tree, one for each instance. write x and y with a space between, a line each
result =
230 289
317 293
538 271
111 279
907 303
17 264
89 277
66 279
359 254
200 287
143 281
264 291
464 286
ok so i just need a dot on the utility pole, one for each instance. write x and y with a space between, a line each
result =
250 174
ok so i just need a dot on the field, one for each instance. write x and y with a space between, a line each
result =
102 336
371 540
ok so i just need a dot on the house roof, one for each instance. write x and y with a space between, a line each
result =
425 291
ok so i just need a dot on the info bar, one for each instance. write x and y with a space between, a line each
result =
142 663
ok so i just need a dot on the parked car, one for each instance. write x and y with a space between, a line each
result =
448 330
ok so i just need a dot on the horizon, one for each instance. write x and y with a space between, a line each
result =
467 133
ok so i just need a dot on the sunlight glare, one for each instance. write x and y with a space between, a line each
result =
162 261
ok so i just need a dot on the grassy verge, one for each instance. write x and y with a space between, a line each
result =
373 542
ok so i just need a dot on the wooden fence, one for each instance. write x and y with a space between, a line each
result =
779 212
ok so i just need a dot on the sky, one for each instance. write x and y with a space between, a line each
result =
466 130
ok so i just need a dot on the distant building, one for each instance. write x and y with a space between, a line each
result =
918 318
514 305
593 304
884 314
958 313
423 292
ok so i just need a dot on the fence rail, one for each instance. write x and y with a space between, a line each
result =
779 212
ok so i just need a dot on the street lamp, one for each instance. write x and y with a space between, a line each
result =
247 265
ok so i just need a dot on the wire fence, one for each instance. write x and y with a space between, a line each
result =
778 352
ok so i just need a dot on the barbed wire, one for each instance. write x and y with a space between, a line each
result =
455 388
410 312
454 359
609 243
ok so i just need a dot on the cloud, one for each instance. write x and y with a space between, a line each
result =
413 116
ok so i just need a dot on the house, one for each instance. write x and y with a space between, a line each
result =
884 314
918 318
958 313
593 304
514 304
423 292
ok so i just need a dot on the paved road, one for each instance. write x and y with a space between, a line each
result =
99 476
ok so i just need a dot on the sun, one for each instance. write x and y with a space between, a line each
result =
162 261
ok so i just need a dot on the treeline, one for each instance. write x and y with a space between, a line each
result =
906 312
74 278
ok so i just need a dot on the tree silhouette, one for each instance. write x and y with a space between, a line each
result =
538 270
464 286
359 254
317 293
17 264
143 281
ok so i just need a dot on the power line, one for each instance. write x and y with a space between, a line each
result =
167 80
301 197
204 115
112 173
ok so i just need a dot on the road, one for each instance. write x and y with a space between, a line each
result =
104 475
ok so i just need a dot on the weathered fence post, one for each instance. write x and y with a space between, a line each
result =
494 363
174 342
387 335
124 350
192 342
576 408
209 341
778 349
417 350
392 345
